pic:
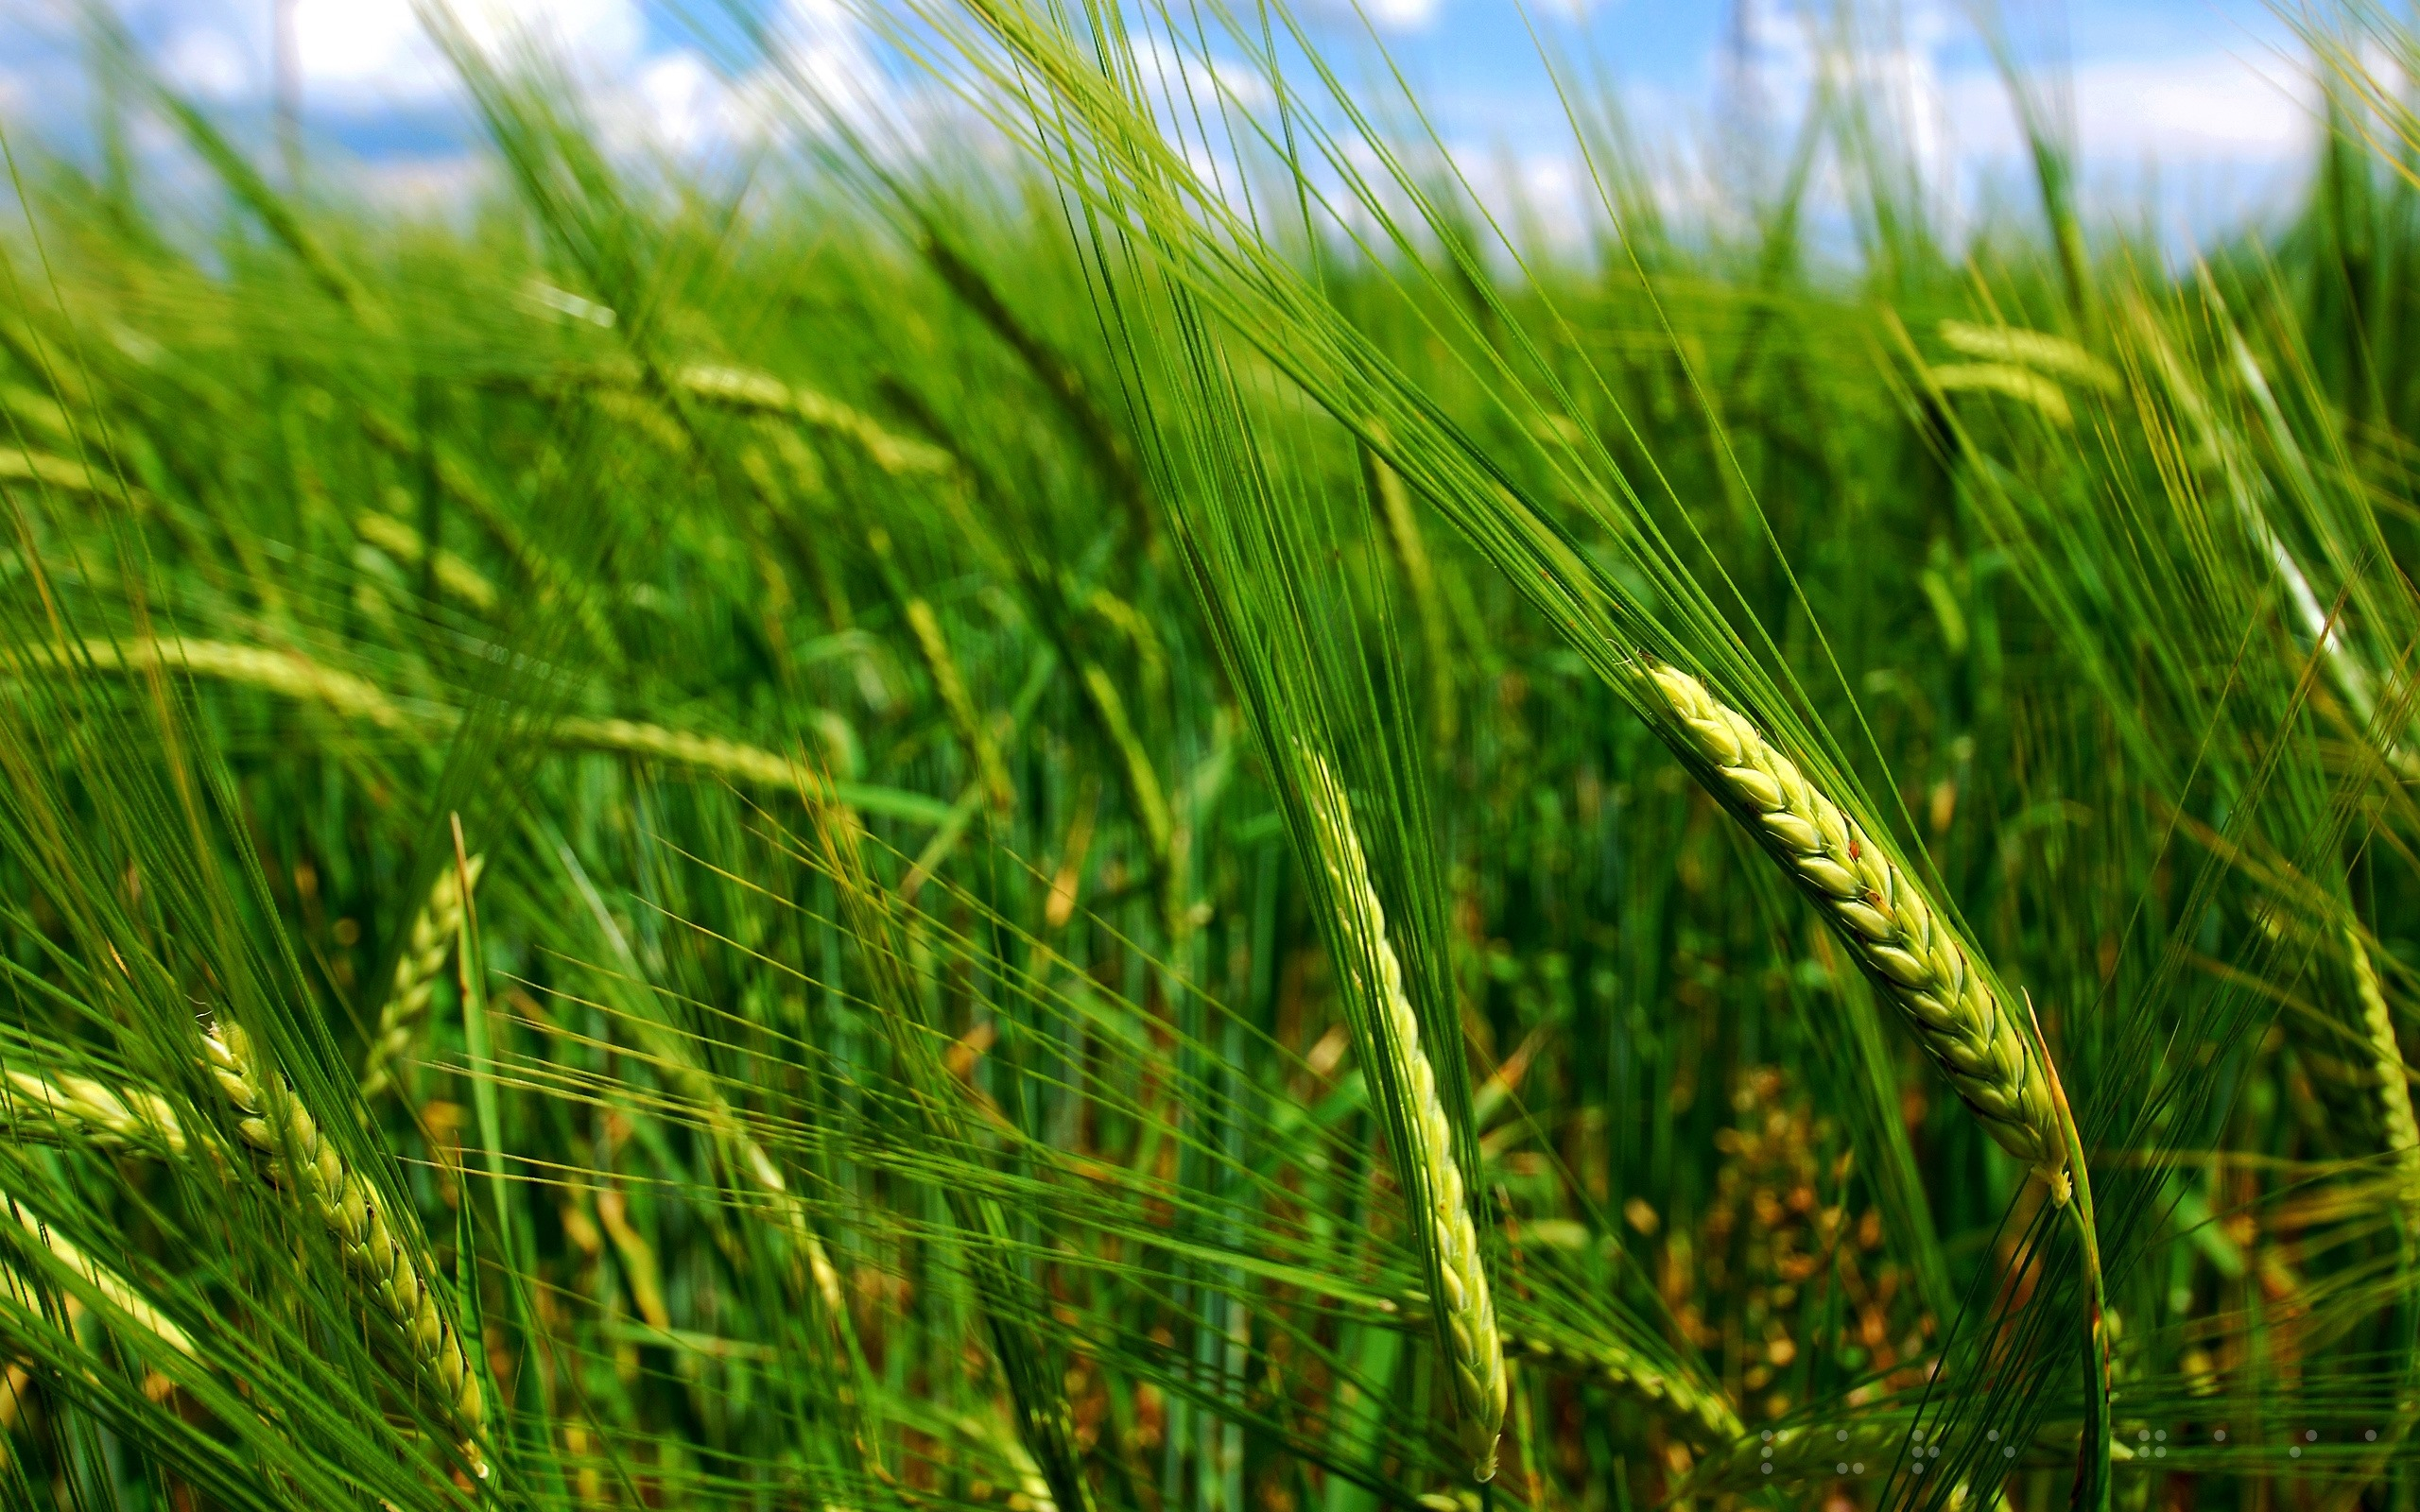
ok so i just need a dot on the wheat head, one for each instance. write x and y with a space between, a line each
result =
280 671
2038 349
275 1121
2395 1092
1880 914
744 389
113 1118
1699 1413
1817 1452
104 1283
415 972
1466 1309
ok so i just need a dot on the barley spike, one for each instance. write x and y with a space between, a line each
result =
104 1283
64 1106
2394 1093
2402 1139
1466 1311
1879 912
415 972
1701 1415
275 1121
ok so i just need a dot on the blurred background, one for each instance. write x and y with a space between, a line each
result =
2190 115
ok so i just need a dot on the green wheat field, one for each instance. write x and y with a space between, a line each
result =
1116 802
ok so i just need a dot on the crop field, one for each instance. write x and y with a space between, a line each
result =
1111 801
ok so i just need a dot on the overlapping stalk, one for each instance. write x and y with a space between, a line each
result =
1008 1299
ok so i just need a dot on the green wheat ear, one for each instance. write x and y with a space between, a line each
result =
274 1122
2001 1072
1881 912
1465 1307
415 972
63 1105
1697 1412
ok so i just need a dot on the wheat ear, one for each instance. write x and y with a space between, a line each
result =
281 672
18 465
65 1105
2403 1142
2394 1092
744 389
1465 1309
1808 1450
2038 349
1819 1451
104 1283
275 1121
1878 911
1701 1415
294 676
415 972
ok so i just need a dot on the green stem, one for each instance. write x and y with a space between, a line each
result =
2092 1455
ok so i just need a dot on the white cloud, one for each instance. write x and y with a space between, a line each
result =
361 56
827 52
16 96
679 105
686 104
2212 105
208 62
1183 79
1402 15
357 53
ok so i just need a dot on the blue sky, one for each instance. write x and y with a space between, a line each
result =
2207 90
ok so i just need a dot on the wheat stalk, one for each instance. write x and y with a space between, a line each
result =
275 1121
1878 911
1007 1297
1465 1309
415 972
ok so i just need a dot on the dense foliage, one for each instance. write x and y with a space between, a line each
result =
917 829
